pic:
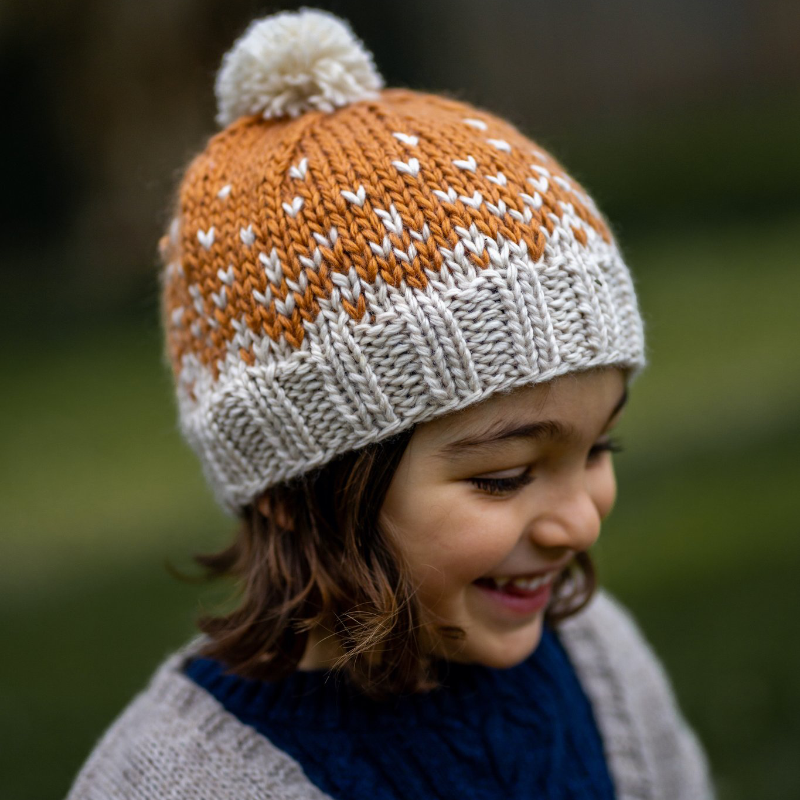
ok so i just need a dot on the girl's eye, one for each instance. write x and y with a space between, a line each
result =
499 486
604 446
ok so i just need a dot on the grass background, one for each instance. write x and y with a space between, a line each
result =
97 491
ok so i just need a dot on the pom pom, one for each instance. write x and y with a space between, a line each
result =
294 62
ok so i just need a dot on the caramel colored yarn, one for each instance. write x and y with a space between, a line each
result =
280 188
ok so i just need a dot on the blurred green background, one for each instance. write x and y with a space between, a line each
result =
681 118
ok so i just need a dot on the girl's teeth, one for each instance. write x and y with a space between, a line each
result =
530 584
527 584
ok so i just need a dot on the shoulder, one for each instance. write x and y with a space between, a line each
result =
652 751
174 740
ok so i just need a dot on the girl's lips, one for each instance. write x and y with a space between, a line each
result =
513 599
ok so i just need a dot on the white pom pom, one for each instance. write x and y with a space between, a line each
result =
293 62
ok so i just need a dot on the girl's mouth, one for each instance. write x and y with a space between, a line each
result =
519 595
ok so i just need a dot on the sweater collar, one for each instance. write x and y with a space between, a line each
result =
326 699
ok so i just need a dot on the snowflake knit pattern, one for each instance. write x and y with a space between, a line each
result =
339 271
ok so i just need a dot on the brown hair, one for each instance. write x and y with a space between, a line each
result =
319 557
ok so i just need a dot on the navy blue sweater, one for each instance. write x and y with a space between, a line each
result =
524 732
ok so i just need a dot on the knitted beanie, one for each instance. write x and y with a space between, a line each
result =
347 261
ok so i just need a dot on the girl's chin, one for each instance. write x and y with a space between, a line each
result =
500 649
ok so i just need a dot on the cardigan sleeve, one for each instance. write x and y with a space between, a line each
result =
653 753
175 742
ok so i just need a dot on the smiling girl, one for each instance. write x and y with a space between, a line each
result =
402 336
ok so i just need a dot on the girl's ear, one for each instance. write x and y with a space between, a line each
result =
271 507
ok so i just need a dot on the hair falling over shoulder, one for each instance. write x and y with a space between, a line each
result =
312 554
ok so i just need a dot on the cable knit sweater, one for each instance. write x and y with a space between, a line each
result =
525 731
176 741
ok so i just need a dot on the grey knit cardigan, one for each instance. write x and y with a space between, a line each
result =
175 741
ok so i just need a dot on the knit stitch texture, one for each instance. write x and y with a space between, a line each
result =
336 278
487 733
175 741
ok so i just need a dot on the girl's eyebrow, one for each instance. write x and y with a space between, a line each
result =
537 431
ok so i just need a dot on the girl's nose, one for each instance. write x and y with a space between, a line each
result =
571 520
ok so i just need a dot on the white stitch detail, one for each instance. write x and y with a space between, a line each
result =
247 236
197 298
500 144
300 285
266 298
293 209
499 179
272 266
541 184
468 164
358 198
401 254
410 168
473 201
449 196
206 238
472 239
299 172
224 191
391 220
405 138
227 276
220 299
535 201
423 235
526 216
285 306
384 249
476 123
316 261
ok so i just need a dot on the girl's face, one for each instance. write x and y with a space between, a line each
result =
509 489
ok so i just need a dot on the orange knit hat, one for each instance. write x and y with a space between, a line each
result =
346 262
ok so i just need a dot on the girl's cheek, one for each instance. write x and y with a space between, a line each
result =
605 491
468 539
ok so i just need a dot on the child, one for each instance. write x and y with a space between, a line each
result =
401 336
